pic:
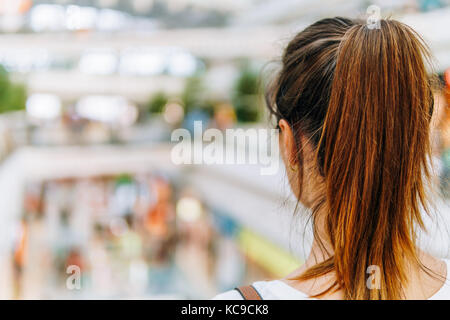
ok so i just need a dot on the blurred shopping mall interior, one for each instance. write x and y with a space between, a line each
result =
90 92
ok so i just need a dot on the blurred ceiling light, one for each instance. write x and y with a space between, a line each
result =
47 17
98 62
25 60
189 209
81 18
44 106
142 62
173 113
108 109
182 64
142 6
111 20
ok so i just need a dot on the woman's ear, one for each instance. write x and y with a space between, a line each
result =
287 143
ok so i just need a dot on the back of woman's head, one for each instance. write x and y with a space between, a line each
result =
362 97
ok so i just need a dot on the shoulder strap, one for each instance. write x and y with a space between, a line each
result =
249 293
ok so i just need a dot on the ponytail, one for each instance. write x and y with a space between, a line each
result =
363 98
376 147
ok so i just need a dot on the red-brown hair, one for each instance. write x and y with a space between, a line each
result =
363 98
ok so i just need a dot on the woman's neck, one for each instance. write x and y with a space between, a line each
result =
421 284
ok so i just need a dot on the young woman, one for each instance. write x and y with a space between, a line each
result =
354 106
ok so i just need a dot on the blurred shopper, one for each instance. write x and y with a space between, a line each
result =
354 107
